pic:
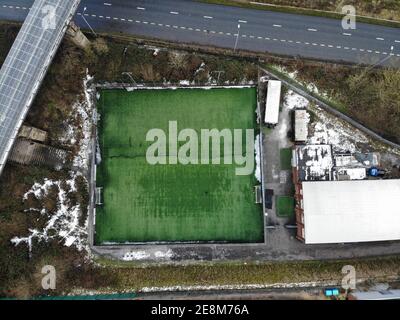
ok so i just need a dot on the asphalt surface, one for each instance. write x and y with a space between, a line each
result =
189 21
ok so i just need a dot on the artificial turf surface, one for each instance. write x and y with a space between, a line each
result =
286 158
285 206
144 203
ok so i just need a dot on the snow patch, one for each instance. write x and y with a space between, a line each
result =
295 101
258 158
330 130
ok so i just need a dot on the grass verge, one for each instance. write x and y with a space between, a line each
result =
286 159
302 11
285 206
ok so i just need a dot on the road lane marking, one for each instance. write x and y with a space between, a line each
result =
312 30
277 25
242 21
207 17
107 4
140 8
173 12
380 39
248 35
346 34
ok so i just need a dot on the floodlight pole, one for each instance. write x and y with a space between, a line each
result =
237 38
83 16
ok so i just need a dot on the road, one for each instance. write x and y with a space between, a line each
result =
189 21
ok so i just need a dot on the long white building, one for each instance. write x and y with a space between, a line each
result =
348 211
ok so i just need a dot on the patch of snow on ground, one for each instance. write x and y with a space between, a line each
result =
160 254
135 255
84 111
258 159
64 224
184 83
295 101
329 130
148 254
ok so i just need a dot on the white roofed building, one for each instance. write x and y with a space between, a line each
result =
301 125
348 211
273 102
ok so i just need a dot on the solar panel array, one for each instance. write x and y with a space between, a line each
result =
27 63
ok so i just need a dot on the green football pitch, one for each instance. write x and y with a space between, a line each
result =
172 203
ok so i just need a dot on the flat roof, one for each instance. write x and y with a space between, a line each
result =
273 102
301 125
351 211
314 162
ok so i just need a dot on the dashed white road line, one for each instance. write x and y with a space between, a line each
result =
228 33
346 34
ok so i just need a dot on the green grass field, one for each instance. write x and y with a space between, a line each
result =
285 206
286 158
144 203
